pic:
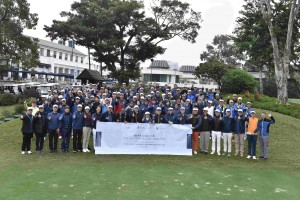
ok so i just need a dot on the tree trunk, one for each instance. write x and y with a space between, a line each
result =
261 83
282 82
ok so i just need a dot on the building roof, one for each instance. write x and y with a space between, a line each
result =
187 68
88 74
59 46
162 64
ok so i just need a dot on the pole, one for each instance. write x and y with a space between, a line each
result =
101 69
89 57
152 60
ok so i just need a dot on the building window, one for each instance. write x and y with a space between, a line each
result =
48 52
66 56
54 54
71 58
81 60
60 55
42 52
76 59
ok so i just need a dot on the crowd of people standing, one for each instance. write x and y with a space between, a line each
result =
73 114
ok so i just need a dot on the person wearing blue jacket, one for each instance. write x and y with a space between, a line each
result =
170 118
182 117
239 132
147 119
228 124
65 127
238 105
263 129
53 128
77 129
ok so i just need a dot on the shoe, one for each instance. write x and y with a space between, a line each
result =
219 154
23 152
79 151
59 137
212 153
84 151
224 154
242 155
229 155
261 157
254 158
29 152
87 150
201 151
236 153
195 152
248 157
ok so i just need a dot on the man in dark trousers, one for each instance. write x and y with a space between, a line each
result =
27 130
65 127
205 125
40 128
77 129
53 128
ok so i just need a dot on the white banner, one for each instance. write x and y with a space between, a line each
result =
135 138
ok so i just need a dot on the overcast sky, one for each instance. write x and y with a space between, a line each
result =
218 18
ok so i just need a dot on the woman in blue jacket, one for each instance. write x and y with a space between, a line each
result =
263 129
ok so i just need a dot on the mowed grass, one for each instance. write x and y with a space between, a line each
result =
88 176
294 101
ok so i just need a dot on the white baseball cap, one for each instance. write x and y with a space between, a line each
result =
206 108
86 108
240 110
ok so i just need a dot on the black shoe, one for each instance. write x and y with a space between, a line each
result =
261 157
201 151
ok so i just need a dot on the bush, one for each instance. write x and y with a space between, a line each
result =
19 108
7 99
238 81
28 93
7 113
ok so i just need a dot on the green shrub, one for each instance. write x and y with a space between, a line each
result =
7 99
6 113
19 108
238 81
2 118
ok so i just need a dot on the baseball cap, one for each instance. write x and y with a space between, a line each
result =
136 106
217 110
170 108
41 106
240 110
29 108
240 98
228 110
86 108
182 108
63 100
147 113
195 109
158 108
206 108
79 105
67 107
55 106
252 112
110 106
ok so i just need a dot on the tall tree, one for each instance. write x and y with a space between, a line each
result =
281 52
121 35
223 49
15 16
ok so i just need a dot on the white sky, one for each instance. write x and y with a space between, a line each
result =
218 18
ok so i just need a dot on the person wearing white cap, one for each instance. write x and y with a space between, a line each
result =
211 108
76 103
217 126
27 130
53 128
77 129
135 115
252 135
238 105
108 116
188 106
221 107
231 108
204 124
182 117
190 96
170 118
158 118
227 131
248 109
40 128
147 118
239 132
194 119
87 129
65 129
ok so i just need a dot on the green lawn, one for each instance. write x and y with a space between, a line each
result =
87 176
294 101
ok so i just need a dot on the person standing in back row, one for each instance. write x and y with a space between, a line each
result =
263 129
40 128
77 129
53 128
27 130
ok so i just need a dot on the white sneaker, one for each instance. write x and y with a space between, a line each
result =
254 157
29 152
84 151
248 157
212 153
59 137
195 152
23 152
219 153
88 151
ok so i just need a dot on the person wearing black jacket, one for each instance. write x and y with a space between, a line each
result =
27 130
217 126
40 128
227 131
204 124
194 119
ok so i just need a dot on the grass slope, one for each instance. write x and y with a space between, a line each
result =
87 176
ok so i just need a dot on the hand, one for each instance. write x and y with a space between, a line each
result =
228 97
270 115
239 117
221 118
49 118
21 117
193 128
57 130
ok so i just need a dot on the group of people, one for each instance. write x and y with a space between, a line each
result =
74 114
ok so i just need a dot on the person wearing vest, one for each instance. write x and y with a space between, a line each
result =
53 128
252 135
77 129
158 118
227 131
217 126
87 129
194 119
65 129
239 132
205 122
40 128
263 129
27 130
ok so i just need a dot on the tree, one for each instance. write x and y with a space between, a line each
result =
15 16
238 81
223 49
120 34
213 69
281 51
252 36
